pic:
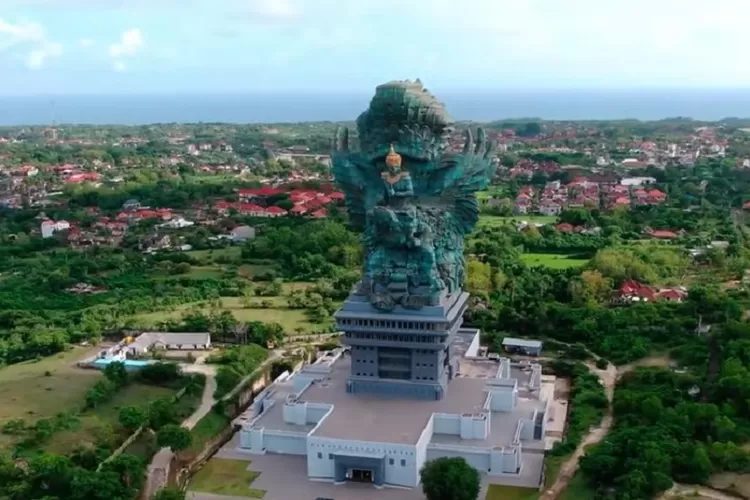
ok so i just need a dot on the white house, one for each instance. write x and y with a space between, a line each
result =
637 181
170 341
241 234
50 227
178 223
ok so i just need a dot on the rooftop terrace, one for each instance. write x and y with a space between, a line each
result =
366 417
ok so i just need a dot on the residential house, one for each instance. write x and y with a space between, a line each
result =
249 195
672 294
83 177
25 171
131 204
550 208
49 227
637 181
662 234
633 291
178 223
633 163
241 234
275 212
145 213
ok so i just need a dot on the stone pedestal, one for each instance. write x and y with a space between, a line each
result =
402 353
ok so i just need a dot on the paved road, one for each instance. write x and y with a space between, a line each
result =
207 402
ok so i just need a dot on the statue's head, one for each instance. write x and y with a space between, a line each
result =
393 160
405 115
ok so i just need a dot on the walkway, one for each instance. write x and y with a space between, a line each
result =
695 492
608 378
158 469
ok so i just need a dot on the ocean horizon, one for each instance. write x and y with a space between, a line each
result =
703 105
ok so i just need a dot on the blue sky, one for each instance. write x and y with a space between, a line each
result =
183 46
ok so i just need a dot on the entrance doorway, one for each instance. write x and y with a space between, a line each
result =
360 475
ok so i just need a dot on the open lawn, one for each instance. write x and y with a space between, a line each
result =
101 423
252 270
226 477
553 261
289 319
208 428
212 255
501 492
34 390
496 220
144 446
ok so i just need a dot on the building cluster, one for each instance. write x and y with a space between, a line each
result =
587 192
632 291
258 202
109 230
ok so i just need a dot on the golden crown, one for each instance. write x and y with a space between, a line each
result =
393 159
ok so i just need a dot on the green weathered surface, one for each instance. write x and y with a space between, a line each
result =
413 217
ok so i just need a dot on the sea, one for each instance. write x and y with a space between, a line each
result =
289 108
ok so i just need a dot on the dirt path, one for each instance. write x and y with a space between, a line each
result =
608 378
696 492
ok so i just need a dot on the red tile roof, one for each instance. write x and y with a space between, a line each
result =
275 210
76 178
634 289
262 192
661 233
250 208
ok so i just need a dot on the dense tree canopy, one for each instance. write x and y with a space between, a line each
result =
449 479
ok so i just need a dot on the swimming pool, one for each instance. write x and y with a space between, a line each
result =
134 364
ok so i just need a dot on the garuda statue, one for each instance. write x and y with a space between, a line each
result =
412 198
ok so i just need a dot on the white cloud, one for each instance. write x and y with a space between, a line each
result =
12 35
272 11
130 43
31 37
86 43
37 57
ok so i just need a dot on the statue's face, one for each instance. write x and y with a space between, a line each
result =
393 165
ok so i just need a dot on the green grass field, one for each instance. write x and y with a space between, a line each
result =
226 477
207 428
102 421
500 492
553 261
208 256
495 220
27 392
289 319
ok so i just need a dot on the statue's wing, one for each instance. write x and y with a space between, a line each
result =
355 179
460 176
